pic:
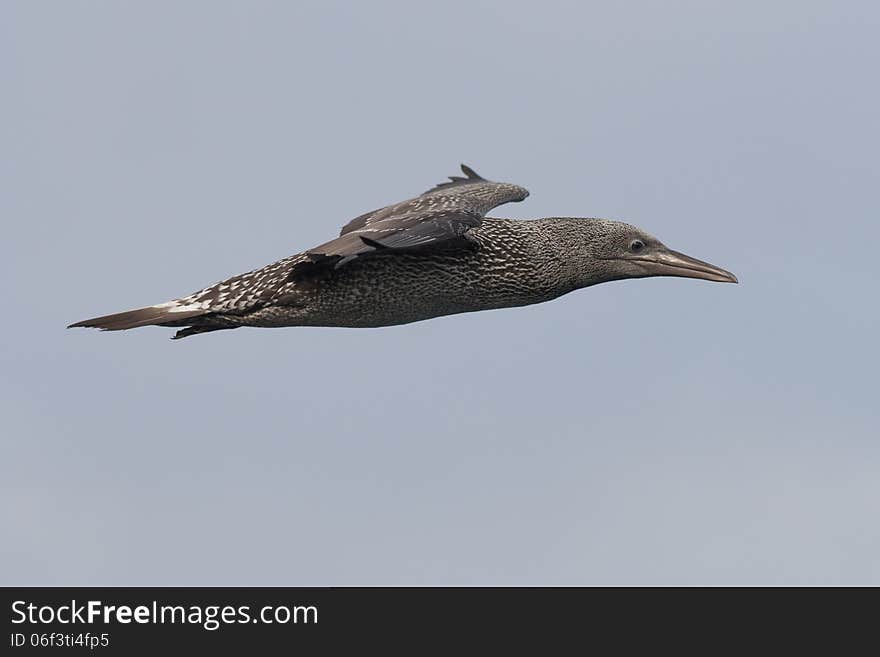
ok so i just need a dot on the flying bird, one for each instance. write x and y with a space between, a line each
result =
435 254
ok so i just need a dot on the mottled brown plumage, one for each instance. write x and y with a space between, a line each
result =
426 257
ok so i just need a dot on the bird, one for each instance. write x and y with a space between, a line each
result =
432 255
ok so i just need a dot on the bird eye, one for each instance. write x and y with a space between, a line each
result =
636 245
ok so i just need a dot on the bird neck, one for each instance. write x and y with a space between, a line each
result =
573 242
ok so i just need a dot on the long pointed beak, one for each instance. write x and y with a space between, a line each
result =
673 263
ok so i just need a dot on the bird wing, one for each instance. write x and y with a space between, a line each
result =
439 217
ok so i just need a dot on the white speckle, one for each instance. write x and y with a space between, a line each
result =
177 307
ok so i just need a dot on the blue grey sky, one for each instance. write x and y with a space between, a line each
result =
661 431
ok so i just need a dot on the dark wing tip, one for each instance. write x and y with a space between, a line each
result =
455 181
470 173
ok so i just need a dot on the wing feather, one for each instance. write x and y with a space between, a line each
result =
438 218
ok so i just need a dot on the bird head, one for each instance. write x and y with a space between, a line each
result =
623 251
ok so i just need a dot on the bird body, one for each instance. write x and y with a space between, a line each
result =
510 263
427 257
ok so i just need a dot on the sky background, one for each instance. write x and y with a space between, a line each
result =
661 431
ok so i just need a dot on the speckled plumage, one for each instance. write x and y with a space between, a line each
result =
426 257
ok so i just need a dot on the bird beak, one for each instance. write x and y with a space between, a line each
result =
673 263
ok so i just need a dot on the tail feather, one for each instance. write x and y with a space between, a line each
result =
161 314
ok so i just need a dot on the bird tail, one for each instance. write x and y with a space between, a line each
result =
164 313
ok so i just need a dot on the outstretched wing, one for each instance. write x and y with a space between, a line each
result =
438 218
